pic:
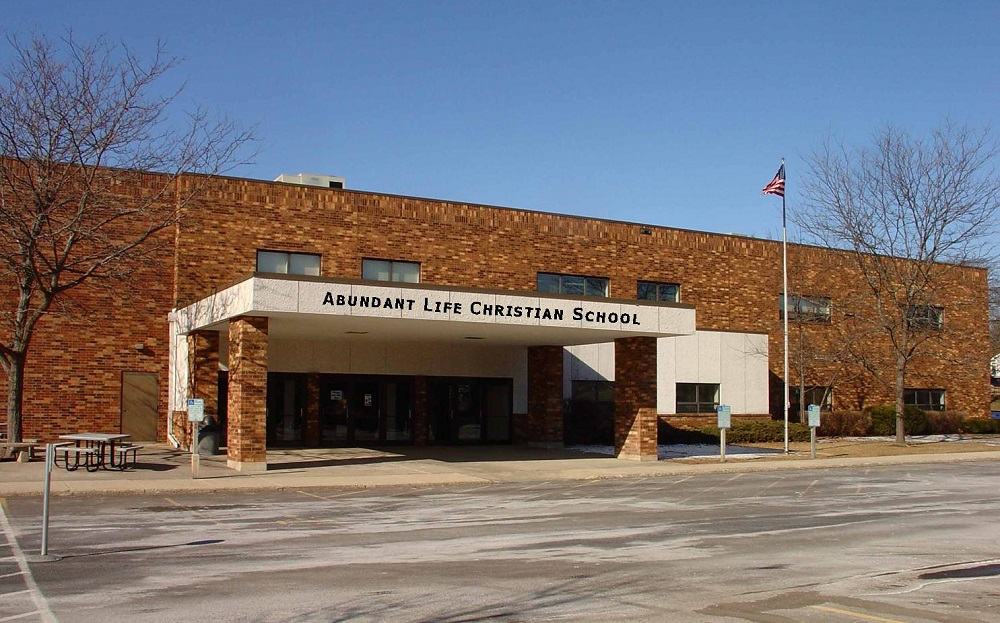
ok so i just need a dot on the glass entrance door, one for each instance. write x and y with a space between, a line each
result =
469 411
285 407
364 410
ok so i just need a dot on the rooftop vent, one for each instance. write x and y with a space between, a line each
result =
306 179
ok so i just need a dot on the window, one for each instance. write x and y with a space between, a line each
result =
805 308
926 317
389 270
924 399
697 397
594 392
815 395
287 263
573 284
652 291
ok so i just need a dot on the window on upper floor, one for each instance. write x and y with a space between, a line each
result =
390 270
654 291
926 317
572 284
924 399
287 263
697 397
805 308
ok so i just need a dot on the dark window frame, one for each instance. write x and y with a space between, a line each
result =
657 288
929 317
289 255
392 272
825 400
566 285
701 403
804 308
924 399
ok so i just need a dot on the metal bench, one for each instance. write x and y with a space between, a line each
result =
25 450
91 457
122 451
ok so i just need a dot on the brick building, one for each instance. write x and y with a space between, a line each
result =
305 314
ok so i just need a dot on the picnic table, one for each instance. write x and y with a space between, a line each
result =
93 447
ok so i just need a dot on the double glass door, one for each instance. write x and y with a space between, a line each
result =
357 409
469 411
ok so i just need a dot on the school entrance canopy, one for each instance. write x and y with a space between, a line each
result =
322 325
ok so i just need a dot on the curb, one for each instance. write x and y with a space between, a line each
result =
589 470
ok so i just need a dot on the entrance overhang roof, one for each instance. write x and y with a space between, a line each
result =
300 307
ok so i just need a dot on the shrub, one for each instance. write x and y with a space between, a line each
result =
944 422
884 420
668 433
845 424
760 431
981 426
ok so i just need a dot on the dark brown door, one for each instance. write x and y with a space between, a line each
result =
140 392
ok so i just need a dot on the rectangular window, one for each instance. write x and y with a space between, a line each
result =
805 308
697 397
575 285
924 399
815 395
287 263
390 270
594 392
653 291
926 317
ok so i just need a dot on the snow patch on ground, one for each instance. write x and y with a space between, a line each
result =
911 439
687 451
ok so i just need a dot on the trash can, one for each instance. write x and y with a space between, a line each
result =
208 437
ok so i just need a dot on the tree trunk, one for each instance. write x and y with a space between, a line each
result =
900 408
15 394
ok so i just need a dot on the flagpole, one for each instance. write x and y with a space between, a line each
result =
784 294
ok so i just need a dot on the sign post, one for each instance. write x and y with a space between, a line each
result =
725 420
813 425
50 457
196 415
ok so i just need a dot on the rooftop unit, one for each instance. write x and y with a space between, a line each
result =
308 179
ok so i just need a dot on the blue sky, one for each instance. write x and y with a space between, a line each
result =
667 113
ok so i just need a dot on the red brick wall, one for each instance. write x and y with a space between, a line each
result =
733 281
75 366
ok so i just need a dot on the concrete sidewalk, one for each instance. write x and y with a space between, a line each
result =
162 469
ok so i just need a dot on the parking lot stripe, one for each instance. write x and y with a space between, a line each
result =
23 615
856 615
22 564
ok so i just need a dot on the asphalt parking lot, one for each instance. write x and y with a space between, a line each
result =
908 543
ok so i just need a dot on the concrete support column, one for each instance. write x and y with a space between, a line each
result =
418 409
310 427
247 420
635 399
545 396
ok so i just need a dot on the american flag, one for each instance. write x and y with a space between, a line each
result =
777 185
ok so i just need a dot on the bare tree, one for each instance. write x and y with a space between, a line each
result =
80 127
909 210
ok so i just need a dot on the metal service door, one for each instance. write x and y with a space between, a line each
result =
140 392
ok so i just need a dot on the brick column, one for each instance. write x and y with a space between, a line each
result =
545 396
418 409
247 420
635 398
310 426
